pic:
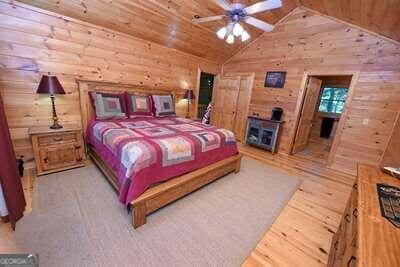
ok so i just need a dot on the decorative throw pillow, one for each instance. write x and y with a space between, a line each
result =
163 105
108 106
139 105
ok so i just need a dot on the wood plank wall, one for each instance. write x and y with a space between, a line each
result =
35 42
392 153
305 41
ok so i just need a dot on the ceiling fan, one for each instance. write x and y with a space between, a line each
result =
239 13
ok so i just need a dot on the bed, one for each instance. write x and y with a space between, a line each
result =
154 161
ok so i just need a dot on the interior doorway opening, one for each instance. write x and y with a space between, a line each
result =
205 93
323 104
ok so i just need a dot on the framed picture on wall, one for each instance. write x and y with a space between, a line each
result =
275 79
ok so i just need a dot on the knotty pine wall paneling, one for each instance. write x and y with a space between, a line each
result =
35 42
308 42
391 157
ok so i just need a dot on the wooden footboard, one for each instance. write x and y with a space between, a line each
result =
171 190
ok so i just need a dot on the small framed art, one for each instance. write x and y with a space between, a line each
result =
275 79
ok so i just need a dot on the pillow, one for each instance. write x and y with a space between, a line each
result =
163 105
139 105
108 106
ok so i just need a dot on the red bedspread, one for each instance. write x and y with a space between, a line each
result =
146 150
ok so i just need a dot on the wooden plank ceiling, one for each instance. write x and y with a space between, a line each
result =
164 22
380 16
169 22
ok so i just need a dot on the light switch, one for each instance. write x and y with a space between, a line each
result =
365 121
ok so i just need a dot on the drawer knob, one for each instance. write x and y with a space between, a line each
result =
57 139
45 160
77 146
355 212
336 244
79 159
347 218
352 258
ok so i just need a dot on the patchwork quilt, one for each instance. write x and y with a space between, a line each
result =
147 150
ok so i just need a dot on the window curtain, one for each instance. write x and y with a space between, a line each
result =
9 176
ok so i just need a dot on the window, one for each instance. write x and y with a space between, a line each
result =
333 99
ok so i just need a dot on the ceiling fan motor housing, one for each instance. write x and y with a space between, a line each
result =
237 12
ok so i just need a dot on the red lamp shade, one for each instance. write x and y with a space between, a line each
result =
189 94
50 85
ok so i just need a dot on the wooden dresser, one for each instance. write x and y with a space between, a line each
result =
365 238
57 150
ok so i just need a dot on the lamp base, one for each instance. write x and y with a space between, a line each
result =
55 126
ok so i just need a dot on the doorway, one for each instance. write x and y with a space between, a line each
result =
205 93
321 112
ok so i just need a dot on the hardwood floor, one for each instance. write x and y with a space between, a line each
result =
302 234
315 152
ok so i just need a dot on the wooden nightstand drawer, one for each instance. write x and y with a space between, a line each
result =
57 150
56 157
57 138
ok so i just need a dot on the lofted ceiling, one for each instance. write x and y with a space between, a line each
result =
380 16
168 22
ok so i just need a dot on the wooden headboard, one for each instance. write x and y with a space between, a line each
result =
84 86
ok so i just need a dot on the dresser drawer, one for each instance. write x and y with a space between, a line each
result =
45 140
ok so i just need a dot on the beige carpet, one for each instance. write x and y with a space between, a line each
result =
78 221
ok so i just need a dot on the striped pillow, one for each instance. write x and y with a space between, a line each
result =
163 105
108 106
139 105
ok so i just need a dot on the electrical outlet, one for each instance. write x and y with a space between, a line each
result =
365 121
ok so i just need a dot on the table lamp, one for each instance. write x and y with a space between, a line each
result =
189 96
50 85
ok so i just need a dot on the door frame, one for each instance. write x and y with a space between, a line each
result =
197 89
303 88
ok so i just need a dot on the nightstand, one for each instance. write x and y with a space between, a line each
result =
57 150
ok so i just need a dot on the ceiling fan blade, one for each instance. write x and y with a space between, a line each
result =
263 6
224 4
206 19
259 24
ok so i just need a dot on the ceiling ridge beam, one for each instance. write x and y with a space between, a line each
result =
100 28
351 25
253 41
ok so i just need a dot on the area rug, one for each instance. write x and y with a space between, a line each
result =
78 221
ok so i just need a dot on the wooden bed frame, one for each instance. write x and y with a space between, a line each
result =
163 193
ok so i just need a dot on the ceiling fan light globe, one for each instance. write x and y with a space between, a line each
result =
245 36
230 39
237 29
221 33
